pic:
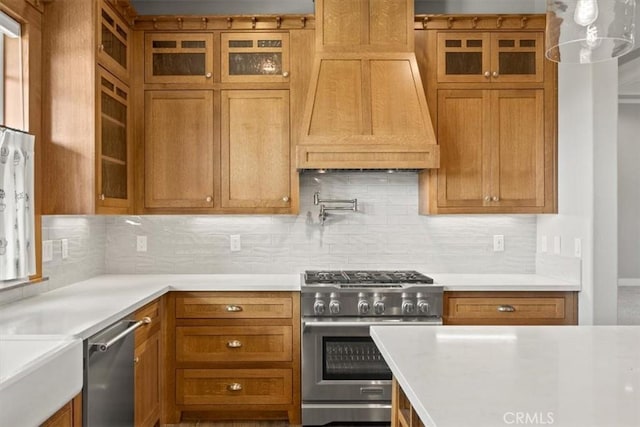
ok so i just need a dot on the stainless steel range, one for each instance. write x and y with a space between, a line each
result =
344 377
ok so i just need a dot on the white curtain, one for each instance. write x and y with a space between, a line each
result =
17 233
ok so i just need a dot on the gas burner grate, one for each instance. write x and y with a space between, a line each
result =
372 277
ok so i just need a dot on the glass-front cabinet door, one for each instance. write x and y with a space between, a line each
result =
490 57
179 58
463 57
113 43
255 57
113 175
517 57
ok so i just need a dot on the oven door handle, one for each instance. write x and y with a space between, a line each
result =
316 324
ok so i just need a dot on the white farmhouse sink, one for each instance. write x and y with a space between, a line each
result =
38 375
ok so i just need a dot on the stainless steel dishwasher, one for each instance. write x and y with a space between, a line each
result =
108 395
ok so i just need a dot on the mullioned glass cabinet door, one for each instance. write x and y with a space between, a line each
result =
179 58
255 57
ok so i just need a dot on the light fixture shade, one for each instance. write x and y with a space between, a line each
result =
587 31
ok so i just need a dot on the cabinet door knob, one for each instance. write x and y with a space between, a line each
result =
285 74
487 198
495 198
234 308
487 74
506 309
136 360
234 387
101 197
101 47
208 199
495 74
234 344
285 199
208 75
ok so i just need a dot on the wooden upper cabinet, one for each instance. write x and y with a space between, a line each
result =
256 166
255 57
364 26
492 147
179 58
114 169
490 57
179 154
113 42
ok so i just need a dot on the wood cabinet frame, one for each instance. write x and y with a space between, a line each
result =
428 27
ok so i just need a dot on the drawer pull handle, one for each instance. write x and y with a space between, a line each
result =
234 387
234 308
506 309
234 344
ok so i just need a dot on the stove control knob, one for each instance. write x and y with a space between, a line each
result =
363 306
334 307
408 307
378 307
319 307
423 307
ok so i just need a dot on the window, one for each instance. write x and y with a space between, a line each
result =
11 84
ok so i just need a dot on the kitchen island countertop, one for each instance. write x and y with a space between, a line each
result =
587 376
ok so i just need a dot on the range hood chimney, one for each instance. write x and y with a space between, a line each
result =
366 106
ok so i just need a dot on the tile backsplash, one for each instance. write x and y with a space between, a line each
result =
87 238
386 232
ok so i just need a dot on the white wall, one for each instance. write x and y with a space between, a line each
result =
587 181
629 193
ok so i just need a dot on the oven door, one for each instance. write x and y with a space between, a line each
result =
340 361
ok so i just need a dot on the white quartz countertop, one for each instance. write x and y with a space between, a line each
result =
84 308
582 376
503 282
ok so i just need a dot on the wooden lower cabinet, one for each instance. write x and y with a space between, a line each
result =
402 413
232 356
510 308
70 415
147 358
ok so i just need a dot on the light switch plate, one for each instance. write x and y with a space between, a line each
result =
64 243
47 250
498 243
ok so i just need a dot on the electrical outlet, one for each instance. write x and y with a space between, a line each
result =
64 243
498 243
234 243
577 247
141 243
557 245
544 246
47 251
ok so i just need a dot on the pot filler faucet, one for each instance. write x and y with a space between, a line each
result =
324 209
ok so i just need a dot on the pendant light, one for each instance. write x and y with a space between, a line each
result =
587 31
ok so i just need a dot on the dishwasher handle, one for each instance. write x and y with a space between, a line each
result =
104 346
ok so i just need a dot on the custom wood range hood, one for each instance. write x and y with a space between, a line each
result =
366 106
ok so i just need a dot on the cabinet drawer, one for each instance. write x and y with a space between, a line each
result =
509 309
233 386
233 307
233 344
152 311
